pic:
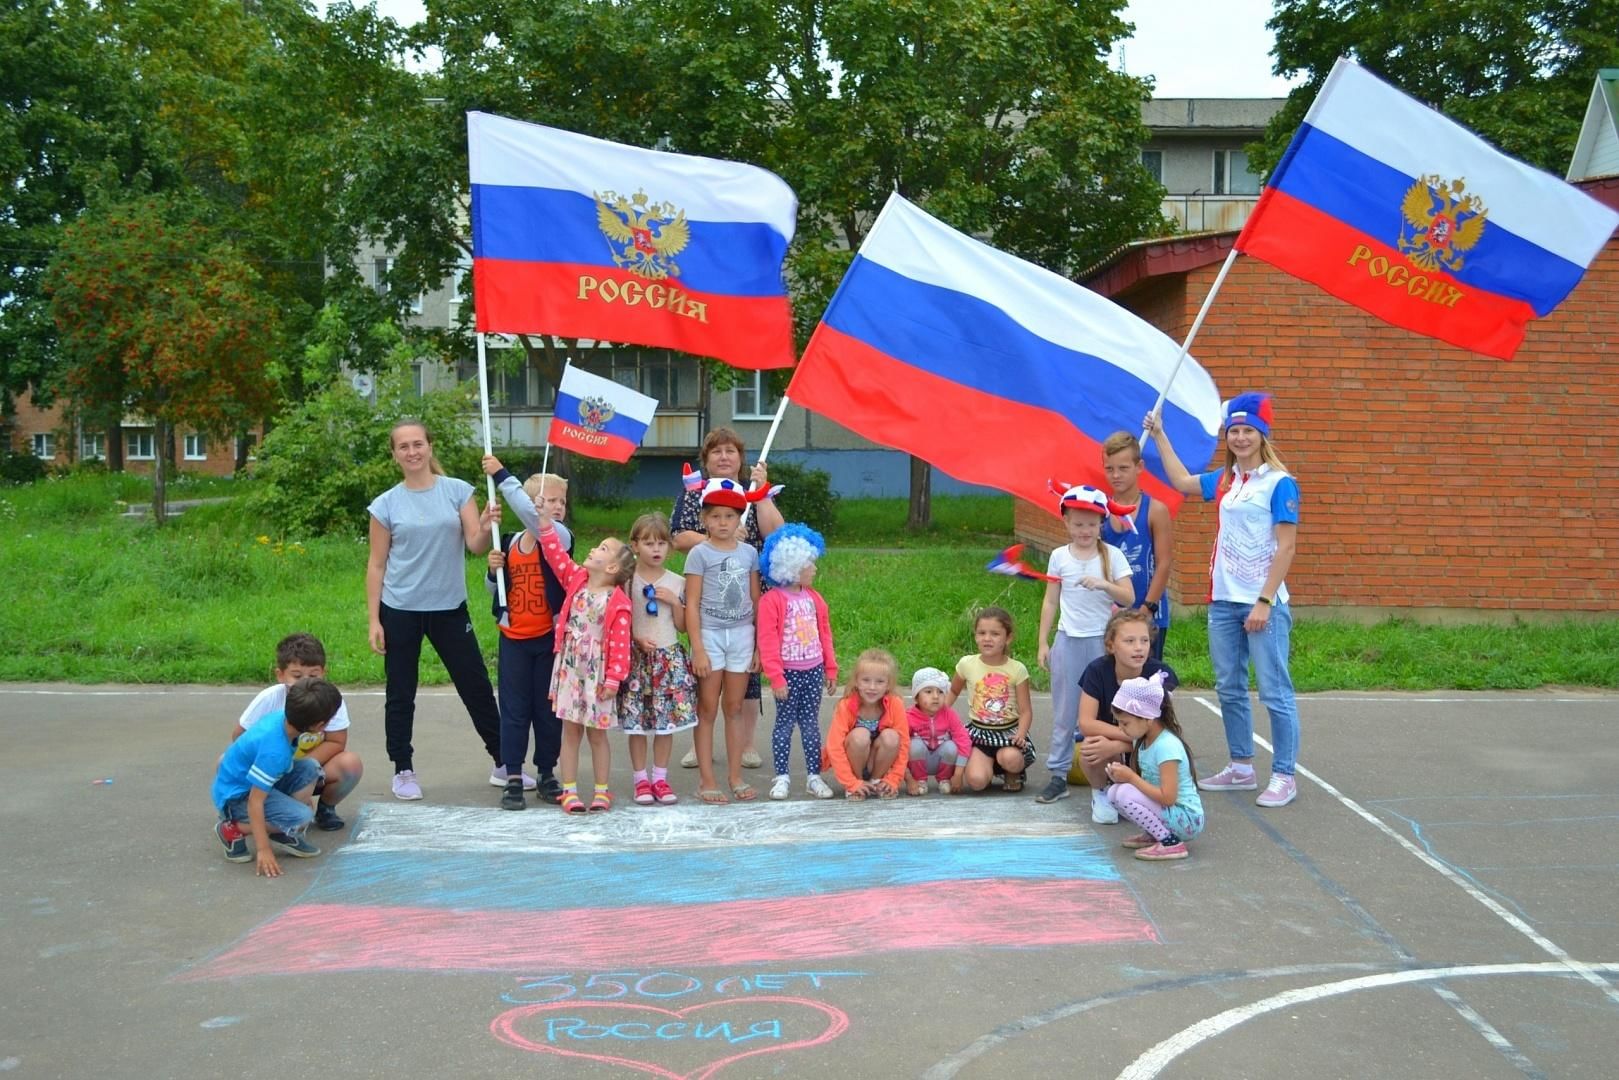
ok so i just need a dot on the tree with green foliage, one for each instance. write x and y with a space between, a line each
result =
1002 117
157 313
1517 72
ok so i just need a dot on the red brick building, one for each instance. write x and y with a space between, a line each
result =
50 435
1435 480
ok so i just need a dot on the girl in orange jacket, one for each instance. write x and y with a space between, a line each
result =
870 739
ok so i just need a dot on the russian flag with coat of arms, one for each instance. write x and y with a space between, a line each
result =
598 417
579 237
1388 205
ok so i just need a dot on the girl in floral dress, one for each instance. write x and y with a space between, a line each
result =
593 656
660 696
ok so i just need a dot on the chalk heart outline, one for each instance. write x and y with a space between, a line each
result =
504 1028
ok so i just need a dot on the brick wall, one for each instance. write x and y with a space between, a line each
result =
219 459
1432 478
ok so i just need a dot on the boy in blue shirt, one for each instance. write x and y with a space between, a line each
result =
260 782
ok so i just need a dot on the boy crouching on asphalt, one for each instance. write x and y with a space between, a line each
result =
260 782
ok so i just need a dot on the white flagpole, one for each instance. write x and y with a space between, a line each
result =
545 459
764 451
489 448
1191 335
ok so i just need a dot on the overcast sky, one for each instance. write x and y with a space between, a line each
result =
1192 48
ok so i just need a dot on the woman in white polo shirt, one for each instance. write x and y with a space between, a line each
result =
416 587
1249 617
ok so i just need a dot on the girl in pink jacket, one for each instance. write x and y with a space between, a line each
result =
795 651
940 743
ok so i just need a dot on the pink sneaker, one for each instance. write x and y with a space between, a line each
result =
643 792
664 793
1230 779
1162 852
1279 792
1138 841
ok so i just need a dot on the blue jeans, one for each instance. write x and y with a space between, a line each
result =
282 813
1230 649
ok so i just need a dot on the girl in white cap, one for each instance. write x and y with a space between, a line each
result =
1162 798
940 744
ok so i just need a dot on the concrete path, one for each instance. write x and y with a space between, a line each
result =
1440 902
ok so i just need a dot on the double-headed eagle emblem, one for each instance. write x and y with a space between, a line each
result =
595 412
646 236
1443 222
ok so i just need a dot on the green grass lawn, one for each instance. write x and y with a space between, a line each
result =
99 599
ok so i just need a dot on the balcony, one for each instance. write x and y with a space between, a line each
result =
1209 213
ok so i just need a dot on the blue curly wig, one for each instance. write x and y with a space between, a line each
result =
788 550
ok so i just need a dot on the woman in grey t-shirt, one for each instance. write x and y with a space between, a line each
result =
416 587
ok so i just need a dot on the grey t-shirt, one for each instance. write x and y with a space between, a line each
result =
727 600
427 568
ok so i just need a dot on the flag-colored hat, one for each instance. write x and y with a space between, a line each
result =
1251 409
1142 697
721 491
788 550
1085 497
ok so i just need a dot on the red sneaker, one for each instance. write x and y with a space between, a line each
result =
643 792
664 793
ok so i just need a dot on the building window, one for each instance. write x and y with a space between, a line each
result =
44 445
1231 175
379 274
1153 162
92 447
418 303
196 447
416 378
247 443
138 444
461 278
753 399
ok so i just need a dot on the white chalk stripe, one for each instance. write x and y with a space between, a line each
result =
1154 1061
386 827
1551 948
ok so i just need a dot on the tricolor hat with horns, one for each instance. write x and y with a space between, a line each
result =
725 492
1085 497
1251 409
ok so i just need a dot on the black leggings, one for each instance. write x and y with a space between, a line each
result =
450 634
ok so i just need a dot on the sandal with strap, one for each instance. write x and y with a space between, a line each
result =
744 793
571 803
713 796
602 803
1014 782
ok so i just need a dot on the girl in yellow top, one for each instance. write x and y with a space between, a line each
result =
998 711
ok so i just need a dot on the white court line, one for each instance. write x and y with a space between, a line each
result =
1155 1060
1551 948
396 827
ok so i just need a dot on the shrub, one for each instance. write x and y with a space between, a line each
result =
598 482
20 468
808 497
324 462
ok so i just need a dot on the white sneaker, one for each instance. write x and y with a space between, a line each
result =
405 785
1102 811
690 760
944 787
497 778
817 787
778 789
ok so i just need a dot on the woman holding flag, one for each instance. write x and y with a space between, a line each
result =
1249 617
721 459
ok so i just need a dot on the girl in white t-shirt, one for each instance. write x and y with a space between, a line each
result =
1090 578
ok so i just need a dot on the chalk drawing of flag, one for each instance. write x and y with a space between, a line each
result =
435 888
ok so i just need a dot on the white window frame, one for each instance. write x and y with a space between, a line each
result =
45 445
92 446
459 277
379 273
1159 154
1220 174
133 438
196 448
765 400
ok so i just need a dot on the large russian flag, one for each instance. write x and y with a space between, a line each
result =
996 370
425 888
598 417
1388 205
580 237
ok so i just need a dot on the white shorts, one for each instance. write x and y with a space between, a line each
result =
729 648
